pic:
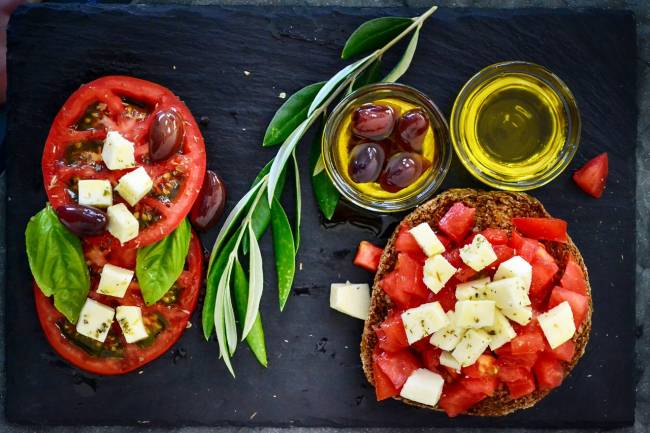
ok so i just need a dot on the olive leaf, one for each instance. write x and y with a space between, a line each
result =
405 62
221 324
327 196
373 35
285 252
255 284
369 76
296 232
290 115
255 338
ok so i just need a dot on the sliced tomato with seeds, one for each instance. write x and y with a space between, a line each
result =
166 320
129 106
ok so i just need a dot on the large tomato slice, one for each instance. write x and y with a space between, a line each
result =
550 229
127 105
165 320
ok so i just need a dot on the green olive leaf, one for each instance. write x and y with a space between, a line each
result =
373 35
222 325
327 196
285 251
159 265
255 338
369 76
57 262
255 284
405 62
291 114
296 232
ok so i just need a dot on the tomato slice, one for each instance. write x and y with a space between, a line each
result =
573 278
391 336
126 105
549 229
458 221
165 320
592 176
457 399
579 303
548 371
397 366
368 256
522 387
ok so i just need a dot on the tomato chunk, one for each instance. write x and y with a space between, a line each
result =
544 269
456 399
549 229
529 342
368 256
573 278
548 371
458 221
495 236
592 176
446 296
481 385
484 366
522 387
411 275
431 358
579 303
406 243
397 366
383 386
511 372
565 351
391 284
506 357
503 253
391 336
524 247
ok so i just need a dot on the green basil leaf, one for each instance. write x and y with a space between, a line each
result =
374 34
327 196
285 252
405 62
291 114
369 76
255 338
57 262
159 265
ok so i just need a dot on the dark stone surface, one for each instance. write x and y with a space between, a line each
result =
51 53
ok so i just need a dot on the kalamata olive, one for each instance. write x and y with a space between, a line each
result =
402 169
374 122
82 220
209 205
366 162
165 135
412 127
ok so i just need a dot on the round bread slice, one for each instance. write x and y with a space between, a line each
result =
493 209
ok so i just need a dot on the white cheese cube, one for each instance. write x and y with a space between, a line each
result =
121 223
130 320
95 320
95 192
473 290
557 324
118 153
510 293
114 281
448 360
471 346
521 315
474 314
423 386
478 254
501 332
437 271
134 185
350 299
427 239
448 337
423 320
515 267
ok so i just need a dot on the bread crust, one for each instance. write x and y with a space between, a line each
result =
493 209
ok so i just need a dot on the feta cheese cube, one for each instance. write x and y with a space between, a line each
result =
423 320
473 290
121 223
471 346
423 386
478 254
521 315
134 185
557 324
130 320
510 293
437 271
515 267
448 337
114 281
448 360
427 239
350 299
118 153
474 314
95 320
95 192
501 332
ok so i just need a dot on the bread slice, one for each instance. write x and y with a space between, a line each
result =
493 209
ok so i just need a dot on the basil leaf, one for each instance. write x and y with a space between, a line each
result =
255 338
369 76
374 34
285 253
57 262
159 265
327 196
405 62
291 114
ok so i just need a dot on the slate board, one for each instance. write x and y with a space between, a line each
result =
314 377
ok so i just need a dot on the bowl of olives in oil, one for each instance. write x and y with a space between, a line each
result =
386 147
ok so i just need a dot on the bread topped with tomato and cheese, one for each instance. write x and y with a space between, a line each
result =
481 305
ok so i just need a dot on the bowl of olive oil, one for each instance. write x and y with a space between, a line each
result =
515 126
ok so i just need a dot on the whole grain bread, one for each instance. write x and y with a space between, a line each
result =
493 209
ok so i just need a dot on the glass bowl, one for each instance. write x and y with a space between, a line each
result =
409 197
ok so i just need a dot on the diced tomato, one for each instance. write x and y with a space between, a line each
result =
564 352
495 236
411 274
421 345
506 357
484 366
592 176
544 269
579 303
530 342
573 278
511 372
431 358
469 239
446 296
448 243
392 285
503 253
406 243
391 336
398 366
483 385
383 386
522 387
368 256
548 229
524 247
453 257
458 221
465 273
548 371
456 399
